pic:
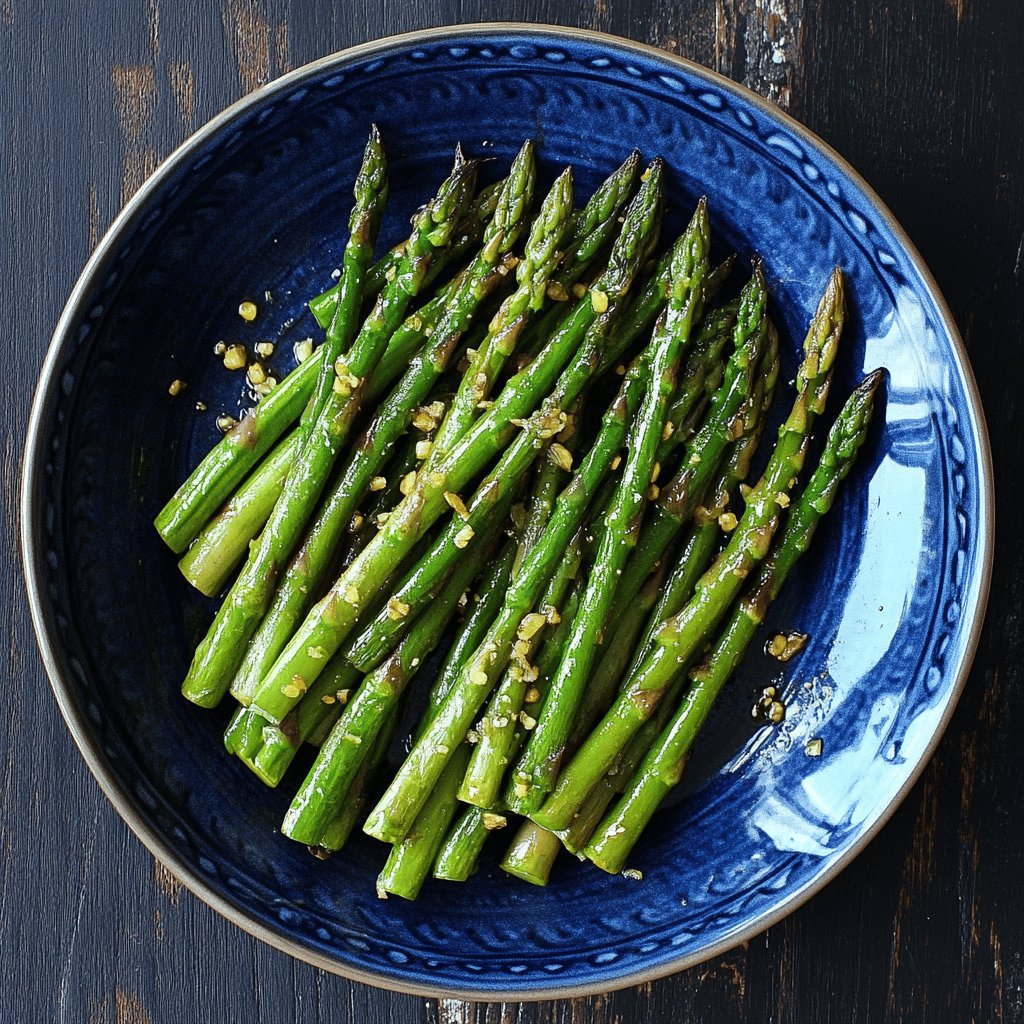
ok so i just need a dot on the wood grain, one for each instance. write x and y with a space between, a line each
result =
924 98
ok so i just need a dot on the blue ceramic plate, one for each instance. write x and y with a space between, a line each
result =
253 206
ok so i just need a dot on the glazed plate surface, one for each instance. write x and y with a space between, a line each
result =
254 206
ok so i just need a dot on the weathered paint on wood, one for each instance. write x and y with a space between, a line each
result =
925 99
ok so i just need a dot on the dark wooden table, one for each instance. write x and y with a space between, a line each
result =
925 98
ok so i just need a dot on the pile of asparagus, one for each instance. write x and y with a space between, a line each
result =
528 436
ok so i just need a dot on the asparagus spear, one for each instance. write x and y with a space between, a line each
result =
323 792
269 749
498 728
534 850
457 858
332 618
487 604
592 229
543 252
410 861
679 639
217 476
403 799
467 236
272 751
341 826
226 537
501 719
532 853
704 452
308 570
338 401
215 479
494 495
662 767
596 224
701 376
700 546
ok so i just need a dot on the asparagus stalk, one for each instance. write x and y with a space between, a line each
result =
410 861
501 720
342 825
679 639
457 858
532 853
467 236
596 224
275 746
498 728
662 767
323 792
219 474
703 450
308 570
541 256
703 454
244 732
224 467
701 376
269 749
338 401
487 604
310 720
332 618
700 546
224 540
592 229
538 766
534 850
549 480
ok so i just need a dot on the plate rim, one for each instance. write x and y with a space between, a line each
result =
33 469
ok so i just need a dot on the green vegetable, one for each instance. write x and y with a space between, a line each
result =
662 767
